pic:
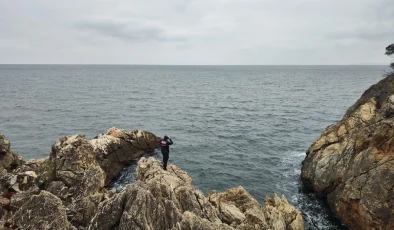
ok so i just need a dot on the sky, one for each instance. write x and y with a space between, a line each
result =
196 32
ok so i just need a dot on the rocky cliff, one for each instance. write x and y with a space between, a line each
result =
352 162
67 191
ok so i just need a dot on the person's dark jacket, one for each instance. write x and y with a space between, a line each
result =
165 144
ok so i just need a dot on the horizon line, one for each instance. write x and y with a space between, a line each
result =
203 64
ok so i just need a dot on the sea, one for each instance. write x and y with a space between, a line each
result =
232 126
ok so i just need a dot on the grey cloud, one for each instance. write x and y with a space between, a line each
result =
367 35
196 32
130 31
375 23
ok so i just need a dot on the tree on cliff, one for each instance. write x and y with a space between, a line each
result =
389 52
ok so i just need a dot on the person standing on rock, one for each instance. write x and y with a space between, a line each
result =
165 150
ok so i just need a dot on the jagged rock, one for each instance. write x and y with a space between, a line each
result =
18 182
15 173
167 200
78 179
278 212
66 191
156 201
72 171
42 211
71 157
232 205
117 148
192 222
8 159
352 163
237 207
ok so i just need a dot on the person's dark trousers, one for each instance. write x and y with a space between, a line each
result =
165 159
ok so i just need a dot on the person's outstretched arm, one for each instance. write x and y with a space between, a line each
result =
169 141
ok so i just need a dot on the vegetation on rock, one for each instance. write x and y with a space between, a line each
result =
389 52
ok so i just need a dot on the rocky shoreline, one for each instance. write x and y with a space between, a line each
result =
352 163
67 190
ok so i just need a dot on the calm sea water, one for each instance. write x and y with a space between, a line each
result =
231 125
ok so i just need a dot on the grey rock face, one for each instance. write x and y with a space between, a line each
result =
66 191
237 208
43 211
352 163
118 147
167 200
72 172
78 179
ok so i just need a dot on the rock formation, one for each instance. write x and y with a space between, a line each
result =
77 180
168 200
42 211
237 207
71 173
117 148
352 163
67 191
8 159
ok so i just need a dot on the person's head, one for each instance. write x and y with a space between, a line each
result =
165 137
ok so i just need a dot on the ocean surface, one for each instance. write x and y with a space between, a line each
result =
231 125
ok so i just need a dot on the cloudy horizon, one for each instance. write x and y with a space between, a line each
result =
188 32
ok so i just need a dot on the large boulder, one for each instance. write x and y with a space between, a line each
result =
280 214
167 200
157 201
117 148
43 211
78 180
237 207
76 171
352 162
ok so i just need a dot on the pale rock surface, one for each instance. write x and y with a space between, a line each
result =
118 147
67 191
77 177
43 211
352 163
72 172
167 200
237 207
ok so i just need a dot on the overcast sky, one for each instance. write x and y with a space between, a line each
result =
262 32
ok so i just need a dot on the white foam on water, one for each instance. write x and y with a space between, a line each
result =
315 213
